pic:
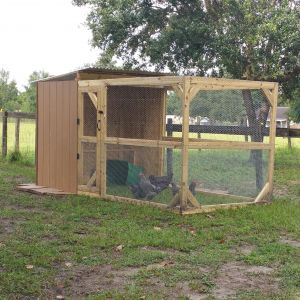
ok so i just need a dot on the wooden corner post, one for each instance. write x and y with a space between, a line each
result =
185 141
272 139
101 136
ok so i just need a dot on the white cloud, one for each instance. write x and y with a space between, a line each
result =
43 34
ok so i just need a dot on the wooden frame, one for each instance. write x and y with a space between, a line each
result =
186 88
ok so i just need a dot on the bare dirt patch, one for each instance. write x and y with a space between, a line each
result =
293 243
245 249
280 191
78 281
234 277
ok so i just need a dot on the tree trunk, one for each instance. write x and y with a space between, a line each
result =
258 122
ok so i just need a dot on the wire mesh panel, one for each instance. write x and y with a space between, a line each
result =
89 154
89 116
143 173
234 115
173 114
88 143
215 174
135 112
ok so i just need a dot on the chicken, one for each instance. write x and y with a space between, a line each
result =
144 189
160 182
192 187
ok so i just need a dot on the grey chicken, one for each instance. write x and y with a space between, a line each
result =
192 187
160 182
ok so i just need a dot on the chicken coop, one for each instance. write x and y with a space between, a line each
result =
108 135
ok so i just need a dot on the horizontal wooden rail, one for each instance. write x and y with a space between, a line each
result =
233 130
19 115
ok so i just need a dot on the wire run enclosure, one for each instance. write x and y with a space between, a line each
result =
216 149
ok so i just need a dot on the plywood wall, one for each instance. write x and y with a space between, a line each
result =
57 135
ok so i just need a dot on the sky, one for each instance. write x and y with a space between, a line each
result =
47 35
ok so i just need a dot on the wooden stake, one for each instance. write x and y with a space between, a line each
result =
17 135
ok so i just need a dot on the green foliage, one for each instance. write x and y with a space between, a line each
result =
28 97
8 92
15 156
234 38
173 104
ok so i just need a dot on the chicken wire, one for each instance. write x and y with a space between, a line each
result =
143 173
227 172
88 153
233 115
135 112
89 117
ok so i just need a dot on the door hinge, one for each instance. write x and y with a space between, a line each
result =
78 156
78 121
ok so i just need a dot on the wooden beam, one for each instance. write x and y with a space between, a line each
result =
142 142
185 150
269 96
192 200
102 116
92 180
178 90
93 98
272 139
220 194
214 144
134 81
209 83
263 193
136 201
80 134
211 208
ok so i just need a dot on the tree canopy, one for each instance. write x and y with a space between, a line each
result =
8 92
253 39
28 97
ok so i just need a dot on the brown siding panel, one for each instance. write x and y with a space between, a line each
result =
57 135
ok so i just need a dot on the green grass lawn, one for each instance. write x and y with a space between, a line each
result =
81 247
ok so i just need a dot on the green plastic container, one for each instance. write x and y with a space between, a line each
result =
122 172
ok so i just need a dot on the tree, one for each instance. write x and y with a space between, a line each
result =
252 39
8 92
28 97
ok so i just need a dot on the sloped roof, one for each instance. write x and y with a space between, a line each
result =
73 75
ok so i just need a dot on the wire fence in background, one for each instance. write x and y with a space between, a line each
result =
18 134
21 134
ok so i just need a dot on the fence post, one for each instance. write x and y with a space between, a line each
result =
4 134
169 150
288 134
17 135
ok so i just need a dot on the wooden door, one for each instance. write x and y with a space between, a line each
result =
88 141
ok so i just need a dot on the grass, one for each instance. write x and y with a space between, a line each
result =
69 245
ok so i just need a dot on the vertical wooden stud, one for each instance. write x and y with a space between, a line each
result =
80 134
101 147
272 139
185 141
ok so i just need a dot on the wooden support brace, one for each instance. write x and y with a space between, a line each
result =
269 96
263 193
93 98
178 90
192 200
92 180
